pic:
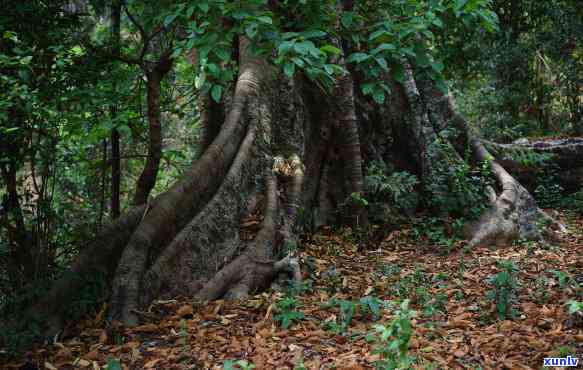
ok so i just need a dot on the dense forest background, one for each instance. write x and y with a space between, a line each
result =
106 105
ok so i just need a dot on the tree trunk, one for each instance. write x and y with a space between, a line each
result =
278 147
115 151
527 159
147 179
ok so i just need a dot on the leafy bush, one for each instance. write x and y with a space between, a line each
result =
286 312
349 308
392 341
549 193
573 201
397 187
238 365
457 188
504 294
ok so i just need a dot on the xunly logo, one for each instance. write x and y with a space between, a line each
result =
561 361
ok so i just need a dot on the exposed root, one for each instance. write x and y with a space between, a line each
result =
254 269
176 258
512 215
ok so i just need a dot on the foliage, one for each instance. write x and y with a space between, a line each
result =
395 187
562 278
238 364
295 288
549 192
287 313
504 294
113 364
574 307
392 341
349 308
522 81
457 188
573 201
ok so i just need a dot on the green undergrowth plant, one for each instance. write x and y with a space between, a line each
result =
436 231
295 288
113 364
504 294
238 365
287 311
392 341
573 202
574 306
383 184
562 278
418 289
548 192
366 307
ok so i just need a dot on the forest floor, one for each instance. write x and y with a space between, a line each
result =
456 326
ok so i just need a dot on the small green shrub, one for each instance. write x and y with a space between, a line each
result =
347 310
504 294
392 341
396 187
562 278
238 365
573 307
287 313
295 288
548 192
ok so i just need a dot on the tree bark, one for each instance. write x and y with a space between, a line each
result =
147 179
527 160
115 139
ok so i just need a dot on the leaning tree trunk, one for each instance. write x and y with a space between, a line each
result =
147 179
280 149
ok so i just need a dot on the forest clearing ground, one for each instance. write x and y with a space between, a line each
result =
456 326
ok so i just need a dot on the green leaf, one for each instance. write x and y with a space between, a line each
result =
437 66
214 70
204 7
216 92
313 34
190 11
383 47
169 19
346 20
399 73
459 4
298 61
251 30
222 53
377 34
26 60
442 86
422 58
113 364
382 62
284 47
437 22
379 96
367 88
289 69
330 49
265 19
306 47
357 58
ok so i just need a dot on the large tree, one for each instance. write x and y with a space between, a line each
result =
298 99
